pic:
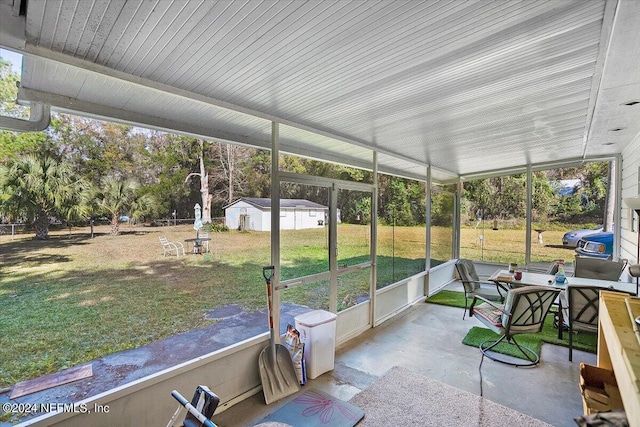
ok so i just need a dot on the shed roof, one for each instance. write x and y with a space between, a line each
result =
264 203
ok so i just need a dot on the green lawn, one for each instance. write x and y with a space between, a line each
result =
506 245
72 299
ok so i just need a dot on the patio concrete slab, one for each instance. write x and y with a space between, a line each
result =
427 339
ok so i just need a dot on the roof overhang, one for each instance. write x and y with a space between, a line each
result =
462 87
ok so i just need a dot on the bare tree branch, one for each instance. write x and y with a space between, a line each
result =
190 175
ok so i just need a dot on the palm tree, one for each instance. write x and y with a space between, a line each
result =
38 188
115 196
118 196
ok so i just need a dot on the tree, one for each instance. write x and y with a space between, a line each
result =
609 203
395 203
204 186
401 201
9 92
504 197
170 158
231 164
117 197
442 207
39 188
257 172
542 197
98 148
13 144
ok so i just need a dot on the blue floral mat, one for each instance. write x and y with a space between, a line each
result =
314 408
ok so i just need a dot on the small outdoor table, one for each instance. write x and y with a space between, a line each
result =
198 243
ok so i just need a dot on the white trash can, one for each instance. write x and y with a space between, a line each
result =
318 333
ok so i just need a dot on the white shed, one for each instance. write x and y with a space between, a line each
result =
252 213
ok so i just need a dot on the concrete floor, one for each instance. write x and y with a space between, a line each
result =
427 339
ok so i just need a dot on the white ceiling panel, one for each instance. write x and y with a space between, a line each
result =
447 84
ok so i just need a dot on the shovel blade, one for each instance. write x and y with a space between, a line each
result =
278 376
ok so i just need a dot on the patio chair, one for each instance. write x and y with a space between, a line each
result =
523 312
596 268
580 309
171 247
473 285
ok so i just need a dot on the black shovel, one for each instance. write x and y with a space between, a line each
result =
277 373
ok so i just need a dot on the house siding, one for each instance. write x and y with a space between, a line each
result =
297 218
255 221
630 165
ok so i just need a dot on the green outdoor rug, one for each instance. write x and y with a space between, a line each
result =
478 335
581 341
450 298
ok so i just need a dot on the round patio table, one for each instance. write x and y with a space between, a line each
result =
198 243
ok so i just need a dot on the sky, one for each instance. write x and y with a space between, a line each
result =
14 58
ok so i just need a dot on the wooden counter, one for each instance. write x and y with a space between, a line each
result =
619 350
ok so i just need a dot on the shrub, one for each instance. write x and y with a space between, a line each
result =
218 227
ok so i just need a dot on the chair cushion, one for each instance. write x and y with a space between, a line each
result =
488 315
528 306
467 270
583 302
582 306
595 268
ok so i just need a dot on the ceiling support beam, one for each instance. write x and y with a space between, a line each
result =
79 107
537 167
103 112
75 106
608 23
275 230
529 217
41 52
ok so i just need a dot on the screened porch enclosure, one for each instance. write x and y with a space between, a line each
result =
502 221
431 98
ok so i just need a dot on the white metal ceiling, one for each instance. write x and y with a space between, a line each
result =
465 86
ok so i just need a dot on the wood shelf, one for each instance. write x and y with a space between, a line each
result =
619 350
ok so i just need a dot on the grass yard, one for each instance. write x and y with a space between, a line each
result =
507 245
72 299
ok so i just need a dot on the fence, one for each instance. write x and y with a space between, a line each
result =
11 229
